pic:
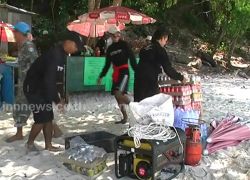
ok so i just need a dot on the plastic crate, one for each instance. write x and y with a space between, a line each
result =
90 170
100 138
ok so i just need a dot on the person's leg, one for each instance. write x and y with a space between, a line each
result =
21 113
47 116
35 130
122 101
47 131
18 136
57 132
124 113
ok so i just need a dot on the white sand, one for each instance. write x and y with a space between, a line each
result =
221 95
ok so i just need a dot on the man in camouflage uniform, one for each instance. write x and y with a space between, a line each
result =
27 54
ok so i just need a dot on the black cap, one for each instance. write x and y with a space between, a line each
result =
77 38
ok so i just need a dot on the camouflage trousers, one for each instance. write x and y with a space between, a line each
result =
21 110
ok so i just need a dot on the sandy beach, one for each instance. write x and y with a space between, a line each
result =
221 95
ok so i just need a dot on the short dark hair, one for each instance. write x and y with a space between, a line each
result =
160 33
77 38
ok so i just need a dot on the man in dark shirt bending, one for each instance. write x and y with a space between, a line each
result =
40 87
118 55
152 58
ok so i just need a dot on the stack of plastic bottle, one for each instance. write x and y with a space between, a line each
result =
196 95
187 97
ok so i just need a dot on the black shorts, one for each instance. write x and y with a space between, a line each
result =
42 109
116 85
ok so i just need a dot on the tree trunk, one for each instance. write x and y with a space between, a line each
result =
117 2
231 51
173 2
91 5
219 39
53 13
31 5
97 4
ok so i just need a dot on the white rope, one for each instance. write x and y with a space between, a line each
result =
151 131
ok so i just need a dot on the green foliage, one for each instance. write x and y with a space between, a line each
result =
152 8
40 24
223 46
232 17
194 22
232 23
247 35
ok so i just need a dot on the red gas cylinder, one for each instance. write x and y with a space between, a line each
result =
193 146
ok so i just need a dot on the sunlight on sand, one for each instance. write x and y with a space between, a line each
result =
99 112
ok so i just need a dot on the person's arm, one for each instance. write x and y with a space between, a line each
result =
50 77
106 67
131 56
30 55
167 66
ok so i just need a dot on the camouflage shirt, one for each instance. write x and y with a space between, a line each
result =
26 56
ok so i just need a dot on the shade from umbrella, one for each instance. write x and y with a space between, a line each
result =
92 29
6 32
116 14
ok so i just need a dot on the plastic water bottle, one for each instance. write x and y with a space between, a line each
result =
123 84
204 135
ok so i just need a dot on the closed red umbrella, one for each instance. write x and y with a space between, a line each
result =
229 132
223 126
6 32
211 148
238 132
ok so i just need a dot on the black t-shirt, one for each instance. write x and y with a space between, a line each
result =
45 72
152 57
118 54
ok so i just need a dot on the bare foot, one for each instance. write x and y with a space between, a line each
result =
14 138
57 132
54 149
31 148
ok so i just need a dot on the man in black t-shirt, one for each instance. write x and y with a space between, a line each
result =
41 90
118 55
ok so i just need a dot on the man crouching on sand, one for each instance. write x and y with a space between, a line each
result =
40 87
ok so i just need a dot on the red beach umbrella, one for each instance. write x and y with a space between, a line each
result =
6 32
